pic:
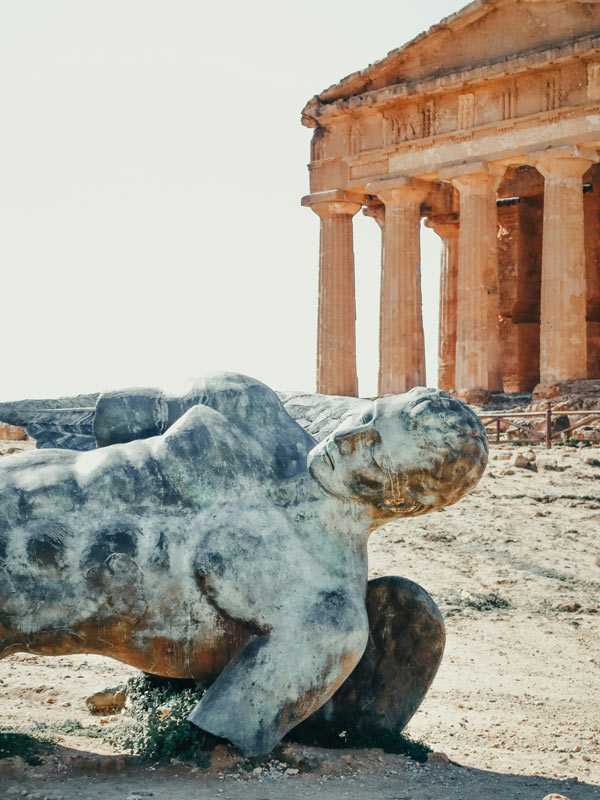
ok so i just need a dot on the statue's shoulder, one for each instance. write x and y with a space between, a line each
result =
230 391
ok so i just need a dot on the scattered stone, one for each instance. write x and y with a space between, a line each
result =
106 701
591 461
292 771
257 771
555 797
437 758
570 607
223 758
525 460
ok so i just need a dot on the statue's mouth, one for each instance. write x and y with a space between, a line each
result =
403 505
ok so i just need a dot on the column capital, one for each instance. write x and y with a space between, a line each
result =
377 212
400 191
445 225
477 177
333 195
332 208
568 162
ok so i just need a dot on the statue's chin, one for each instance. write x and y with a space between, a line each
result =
317 470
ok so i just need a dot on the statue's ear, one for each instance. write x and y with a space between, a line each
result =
129 414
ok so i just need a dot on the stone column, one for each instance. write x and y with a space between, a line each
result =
478 357
563 342
591 213
336 336
401 340
447 229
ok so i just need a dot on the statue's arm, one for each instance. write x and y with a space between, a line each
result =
280 679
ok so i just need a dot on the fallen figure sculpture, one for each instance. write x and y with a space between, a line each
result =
218 540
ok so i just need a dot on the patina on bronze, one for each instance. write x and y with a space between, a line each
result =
229 548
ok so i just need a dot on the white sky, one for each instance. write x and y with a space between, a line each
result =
152 163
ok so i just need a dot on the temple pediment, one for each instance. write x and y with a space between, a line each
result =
482 34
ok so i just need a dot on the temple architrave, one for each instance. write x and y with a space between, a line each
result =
488 126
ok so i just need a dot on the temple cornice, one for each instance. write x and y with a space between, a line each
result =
488 126
320 111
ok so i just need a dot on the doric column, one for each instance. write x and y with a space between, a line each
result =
401 340
336 336
478 361
447 229
563 328
591 213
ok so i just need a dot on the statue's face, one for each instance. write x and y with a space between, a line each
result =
402 455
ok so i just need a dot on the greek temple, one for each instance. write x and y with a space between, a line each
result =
488 127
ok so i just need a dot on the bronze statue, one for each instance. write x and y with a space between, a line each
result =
217 540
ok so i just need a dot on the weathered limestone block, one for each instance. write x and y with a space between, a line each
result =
12 433
229 547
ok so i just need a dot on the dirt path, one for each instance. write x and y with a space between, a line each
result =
515 568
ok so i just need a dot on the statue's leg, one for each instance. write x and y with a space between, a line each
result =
280 679
404 651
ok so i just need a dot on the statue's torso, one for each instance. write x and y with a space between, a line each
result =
167 553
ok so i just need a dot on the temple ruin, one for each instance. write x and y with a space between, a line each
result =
488 126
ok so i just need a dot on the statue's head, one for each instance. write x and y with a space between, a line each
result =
403 455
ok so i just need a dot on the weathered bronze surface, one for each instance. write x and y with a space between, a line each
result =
231 548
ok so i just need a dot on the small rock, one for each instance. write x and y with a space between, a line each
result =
292 771
555 797
106 701
570 607
437 758
223 757
592 462
257 771
14 790
524 460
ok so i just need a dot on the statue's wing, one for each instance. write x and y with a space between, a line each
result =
64 422
319 414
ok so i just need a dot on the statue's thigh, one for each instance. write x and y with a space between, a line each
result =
404 651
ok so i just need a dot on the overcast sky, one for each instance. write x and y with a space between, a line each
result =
152 163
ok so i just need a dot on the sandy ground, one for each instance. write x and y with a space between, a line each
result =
515 567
